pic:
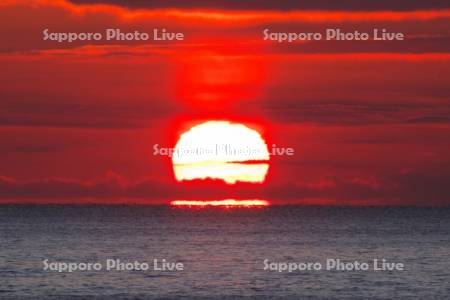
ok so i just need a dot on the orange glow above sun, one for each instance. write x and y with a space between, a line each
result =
220 203
221 150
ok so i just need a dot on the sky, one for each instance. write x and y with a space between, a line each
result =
369 120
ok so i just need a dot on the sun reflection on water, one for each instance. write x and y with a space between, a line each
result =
220 203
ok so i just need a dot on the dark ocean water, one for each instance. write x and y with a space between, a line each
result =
223 251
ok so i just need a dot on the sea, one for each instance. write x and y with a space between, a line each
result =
225 253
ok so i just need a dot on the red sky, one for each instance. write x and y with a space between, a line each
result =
369 121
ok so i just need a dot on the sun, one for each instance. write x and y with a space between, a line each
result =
221 150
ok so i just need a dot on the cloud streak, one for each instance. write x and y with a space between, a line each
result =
353 5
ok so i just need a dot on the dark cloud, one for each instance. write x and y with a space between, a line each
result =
425 34
430 119
426 188
428 44
66 115
352 5
29 148
353 113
